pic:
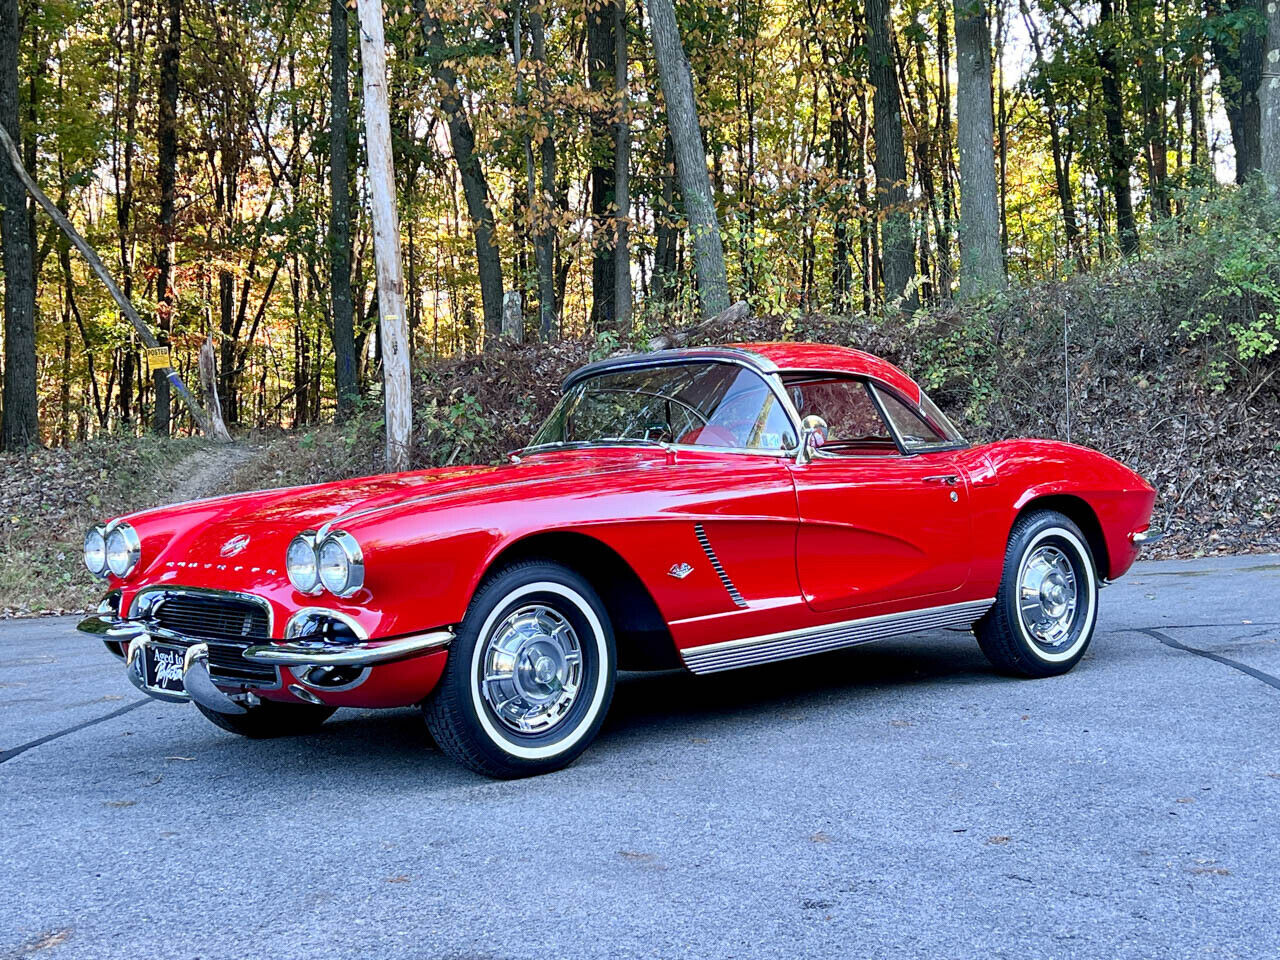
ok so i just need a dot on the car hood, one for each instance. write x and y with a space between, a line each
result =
250 531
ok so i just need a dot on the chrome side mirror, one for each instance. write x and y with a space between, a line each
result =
813 434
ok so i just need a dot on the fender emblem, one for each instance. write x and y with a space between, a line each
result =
235 545
680 570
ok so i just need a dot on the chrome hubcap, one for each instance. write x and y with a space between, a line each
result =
1048 595
532 669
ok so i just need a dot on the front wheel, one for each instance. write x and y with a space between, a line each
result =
530 674
1047 605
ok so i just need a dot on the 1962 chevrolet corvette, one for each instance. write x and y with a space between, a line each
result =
711 508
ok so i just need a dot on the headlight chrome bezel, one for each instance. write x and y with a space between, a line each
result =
353 563
132 551
306 540
100 531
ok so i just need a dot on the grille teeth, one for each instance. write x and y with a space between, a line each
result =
717 565
228 625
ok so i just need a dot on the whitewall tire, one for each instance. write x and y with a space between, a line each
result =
1047 606
530 674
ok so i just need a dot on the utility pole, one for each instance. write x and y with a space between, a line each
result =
396 392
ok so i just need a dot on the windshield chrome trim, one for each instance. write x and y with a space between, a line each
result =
765 369
661 358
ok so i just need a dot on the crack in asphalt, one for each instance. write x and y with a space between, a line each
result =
1155 634
1244 668
12 752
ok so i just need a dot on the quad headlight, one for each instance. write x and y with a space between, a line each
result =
95 550
341 563
300 563
123 549
335 563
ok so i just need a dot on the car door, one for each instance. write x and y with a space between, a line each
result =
879 530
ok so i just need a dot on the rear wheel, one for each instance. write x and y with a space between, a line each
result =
530 674
1047 606
269 718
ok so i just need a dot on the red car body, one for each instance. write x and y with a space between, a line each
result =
707 557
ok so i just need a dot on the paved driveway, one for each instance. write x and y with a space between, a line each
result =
896 800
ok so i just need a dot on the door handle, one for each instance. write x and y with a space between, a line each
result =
950 479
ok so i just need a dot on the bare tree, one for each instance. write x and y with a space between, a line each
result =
981 262
394 327
691 158
19 425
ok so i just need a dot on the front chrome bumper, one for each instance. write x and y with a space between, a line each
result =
367 653
1145 538
294 653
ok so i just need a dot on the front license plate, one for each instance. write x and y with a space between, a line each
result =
164 668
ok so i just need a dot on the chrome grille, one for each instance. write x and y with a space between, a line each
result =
229 624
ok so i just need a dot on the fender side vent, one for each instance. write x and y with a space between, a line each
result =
715 563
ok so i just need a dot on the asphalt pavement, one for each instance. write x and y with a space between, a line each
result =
894 800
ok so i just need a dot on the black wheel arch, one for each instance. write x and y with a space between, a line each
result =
1078 510
643 639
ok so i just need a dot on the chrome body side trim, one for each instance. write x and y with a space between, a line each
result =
749 651
327 654
701 534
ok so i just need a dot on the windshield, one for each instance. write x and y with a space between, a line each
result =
703 404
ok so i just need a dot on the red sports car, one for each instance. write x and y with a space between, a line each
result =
706 508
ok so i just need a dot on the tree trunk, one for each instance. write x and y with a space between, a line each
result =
1145 34
1239 61
1269 99
167 174
1119 154
665 217
344 347
545 242
944 153
981 263
541 199
19 426
601 79
691 158
393 326
474 185
622 177
890 161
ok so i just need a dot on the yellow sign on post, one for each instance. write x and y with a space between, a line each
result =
158 359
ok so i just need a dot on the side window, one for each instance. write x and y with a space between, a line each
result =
914 432
854 425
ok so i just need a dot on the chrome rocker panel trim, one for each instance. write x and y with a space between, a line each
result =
749 651
324 654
